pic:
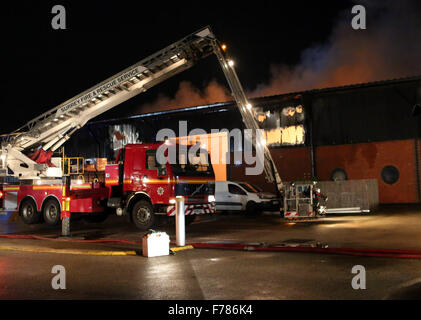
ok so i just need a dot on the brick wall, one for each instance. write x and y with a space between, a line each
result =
360 161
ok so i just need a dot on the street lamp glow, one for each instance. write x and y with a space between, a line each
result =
230 63
248 105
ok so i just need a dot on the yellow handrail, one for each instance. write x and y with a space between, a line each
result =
73 168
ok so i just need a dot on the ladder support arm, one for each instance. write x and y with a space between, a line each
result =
247 115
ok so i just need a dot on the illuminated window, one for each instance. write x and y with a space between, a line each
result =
261 117
123 134
283 126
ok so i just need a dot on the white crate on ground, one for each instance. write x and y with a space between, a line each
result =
156 244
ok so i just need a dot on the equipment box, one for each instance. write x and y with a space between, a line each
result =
156 244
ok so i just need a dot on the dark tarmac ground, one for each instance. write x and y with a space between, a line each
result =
25 265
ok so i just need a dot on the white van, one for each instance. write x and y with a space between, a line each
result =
244 196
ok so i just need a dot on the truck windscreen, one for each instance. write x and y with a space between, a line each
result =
197 165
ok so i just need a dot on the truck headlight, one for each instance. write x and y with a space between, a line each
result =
211 198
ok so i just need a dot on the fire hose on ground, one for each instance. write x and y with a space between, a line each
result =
256 247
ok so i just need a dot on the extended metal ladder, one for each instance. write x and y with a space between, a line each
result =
249 119
54 127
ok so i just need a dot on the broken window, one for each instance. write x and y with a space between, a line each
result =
123 134
283 125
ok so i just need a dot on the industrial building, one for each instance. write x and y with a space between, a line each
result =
361 131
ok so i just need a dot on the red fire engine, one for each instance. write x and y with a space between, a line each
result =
34 183
136 185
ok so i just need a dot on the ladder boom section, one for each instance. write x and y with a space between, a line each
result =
248 117
54 127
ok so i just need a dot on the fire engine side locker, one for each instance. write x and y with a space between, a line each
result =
9 198
88 200
81 198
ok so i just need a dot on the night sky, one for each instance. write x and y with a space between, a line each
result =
42 67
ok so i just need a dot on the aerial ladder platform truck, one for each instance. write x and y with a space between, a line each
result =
135 186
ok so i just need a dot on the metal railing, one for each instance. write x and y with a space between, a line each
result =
73 165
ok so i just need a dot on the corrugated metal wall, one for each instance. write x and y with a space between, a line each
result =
361 129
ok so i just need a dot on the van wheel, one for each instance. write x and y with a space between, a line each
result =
143 216
28 212
51 212
251 208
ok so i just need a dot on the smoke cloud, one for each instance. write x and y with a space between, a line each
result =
390 47
187 96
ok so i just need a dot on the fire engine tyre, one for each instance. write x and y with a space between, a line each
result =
51 212
28 212
143 216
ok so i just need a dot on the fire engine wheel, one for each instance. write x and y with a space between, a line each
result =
51 212
28 212
143 216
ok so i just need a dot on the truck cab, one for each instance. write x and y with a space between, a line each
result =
142 188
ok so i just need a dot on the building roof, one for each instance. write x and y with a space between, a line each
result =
284 96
